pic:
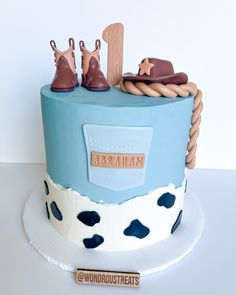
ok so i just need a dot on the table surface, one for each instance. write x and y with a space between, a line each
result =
208 269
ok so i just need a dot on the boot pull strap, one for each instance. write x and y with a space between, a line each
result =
72 43
98 44
81 45
53 44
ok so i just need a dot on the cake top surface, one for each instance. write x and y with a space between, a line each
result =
112 98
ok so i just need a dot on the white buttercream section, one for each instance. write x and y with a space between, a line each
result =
115 218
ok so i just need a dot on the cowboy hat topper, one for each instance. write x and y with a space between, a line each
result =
154 70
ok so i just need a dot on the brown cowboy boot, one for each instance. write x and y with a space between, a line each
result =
92 76
65 78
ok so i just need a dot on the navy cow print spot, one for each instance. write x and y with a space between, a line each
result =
46 188
136 229
167 200
93 242
186 185
177 222
48 214
90 218
55 211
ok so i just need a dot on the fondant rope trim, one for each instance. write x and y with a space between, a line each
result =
171 91
194 130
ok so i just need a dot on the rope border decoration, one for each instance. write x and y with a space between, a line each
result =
194 130
171 91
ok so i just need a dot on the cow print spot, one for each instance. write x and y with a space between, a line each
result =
177 222
89 218
93 242
136 229
46 188
48 214
55 211
167 200
186 185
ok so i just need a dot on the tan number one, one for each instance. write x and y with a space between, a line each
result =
114 36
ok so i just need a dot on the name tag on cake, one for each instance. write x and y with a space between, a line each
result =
109 278
112 160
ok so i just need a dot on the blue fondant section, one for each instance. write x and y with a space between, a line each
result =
137 229
167 200
177 222
55 211
113 98
46 188
93 242
65 114
48 214
89 218
115 139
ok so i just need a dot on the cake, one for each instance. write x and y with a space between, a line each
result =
117 156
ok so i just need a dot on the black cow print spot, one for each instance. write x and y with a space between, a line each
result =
48 214
167 200
46 188
55 211
93 242
89 218
177 222
136 229
186 185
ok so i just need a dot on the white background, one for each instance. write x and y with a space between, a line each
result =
197 36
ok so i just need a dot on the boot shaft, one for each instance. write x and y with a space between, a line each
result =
68 54
87 55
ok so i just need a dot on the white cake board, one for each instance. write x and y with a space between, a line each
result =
68 256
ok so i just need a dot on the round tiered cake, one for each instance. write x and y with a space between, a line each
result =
116 166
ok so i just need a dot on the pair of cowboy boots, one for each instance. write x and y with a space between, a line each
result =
66 78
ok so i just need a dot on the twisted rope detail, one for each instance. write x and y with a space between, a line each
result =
171 91
194 130
158 89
